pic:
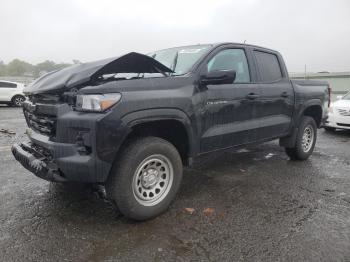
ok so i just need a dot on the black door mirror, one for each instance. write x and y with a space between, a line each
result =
219 77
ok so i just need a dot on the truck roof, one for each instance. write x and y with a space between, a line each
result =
214 45
243 44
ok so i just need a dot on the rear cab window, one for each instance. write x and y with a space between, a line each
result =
268 66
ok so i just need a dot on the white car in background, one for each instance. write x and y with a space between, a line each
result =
339 114
11 93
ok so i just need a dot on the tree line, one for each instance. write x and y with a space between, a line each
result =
19 67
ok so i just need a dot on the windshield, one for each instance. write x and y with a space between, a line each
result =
346 97
180 59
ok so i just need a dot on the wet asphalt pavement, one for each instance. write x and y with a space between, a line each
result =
262 207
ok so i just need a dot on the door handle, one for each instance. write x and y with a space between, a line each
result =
284 94
252 96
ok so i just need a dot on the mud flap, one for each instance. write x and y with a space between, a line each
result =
289 141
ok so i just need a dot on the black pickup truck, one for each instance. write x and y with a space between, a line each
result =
131 123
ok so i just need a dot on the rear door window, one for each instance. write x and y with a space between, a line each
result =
269 67
7 85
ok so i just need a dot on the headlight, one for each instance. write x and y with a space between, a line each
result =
97 103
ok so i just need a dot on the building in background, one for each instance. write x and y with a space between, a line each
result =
339 81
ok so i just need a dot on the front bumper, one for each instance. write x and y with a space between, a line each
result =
338 121
27 157
59 162
67 145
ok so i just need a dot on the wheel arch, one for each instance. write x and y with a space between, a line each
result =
312 108
315 111
17 94
172 125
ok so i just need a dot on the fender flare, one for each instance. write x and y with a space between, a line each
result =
289 141
143 116
309 103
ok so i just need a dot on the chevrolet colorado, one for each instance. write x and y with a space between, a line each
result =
132 122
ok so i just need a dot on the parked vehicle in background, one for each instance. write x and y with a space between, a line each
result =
133 122
339 114
11 93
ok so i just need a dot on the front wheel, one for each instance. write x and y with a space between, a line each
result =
146 178
305 140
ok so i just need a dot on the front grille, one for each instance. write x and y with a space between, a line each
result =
344 112
40 122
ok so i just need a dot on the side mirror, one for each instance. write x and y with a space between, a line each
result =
339 97
219 77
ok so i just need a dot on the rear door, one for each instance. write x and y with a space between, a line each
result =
277 95
229 112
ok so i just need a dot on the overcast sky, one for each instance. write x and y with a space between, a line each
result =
315 33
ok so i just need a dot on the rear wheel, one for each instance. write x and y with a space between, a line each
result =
18 100
146 178
305 140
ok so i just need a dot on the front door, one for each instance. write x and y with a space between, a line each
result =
230 109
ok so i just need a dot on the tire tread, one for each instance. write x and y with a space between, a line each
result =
296 152
124 168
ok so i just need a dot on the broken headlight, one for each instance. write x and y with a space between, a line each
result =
96 103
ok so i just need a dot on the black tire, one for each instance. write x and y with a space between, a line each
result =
329 129
302 151
131 171
17 100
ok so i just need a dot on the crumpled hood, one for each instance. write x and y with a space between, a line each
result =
77 75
